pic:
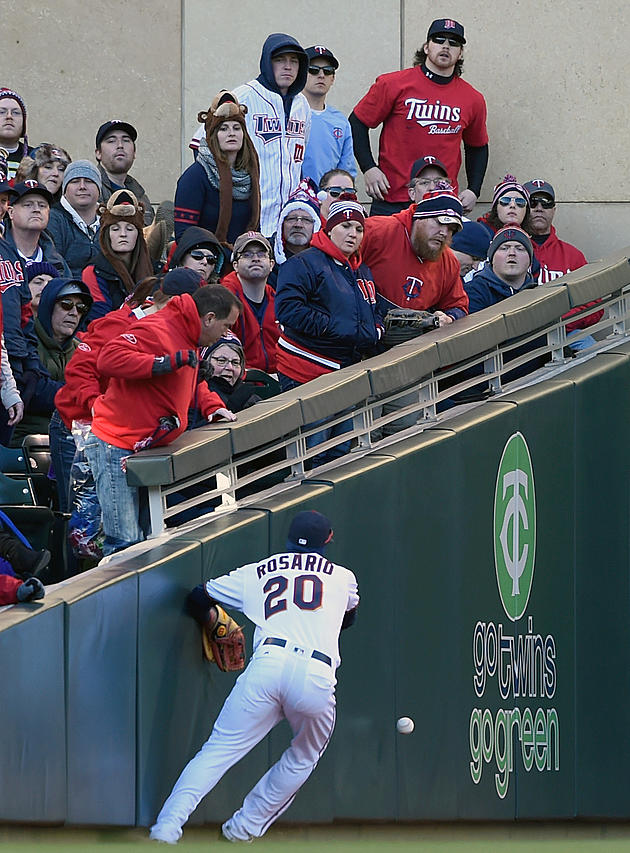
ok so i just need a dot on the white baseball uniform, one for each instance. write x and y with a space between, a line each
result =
280 144
297 602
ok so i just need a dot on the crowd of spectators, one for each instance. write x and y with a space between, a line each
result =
273 265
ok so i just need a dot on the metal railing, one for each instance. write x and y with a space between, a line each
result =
217 468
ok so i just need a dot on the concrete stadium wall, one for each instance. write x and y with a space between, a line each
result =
557 92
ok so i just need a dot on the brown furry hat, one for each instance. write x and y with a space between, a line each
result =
45 153
123 206
225 107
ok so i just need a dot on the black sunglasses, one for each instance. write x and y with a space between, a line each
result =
315 69
200 255
335 192
547 203
69 304
443 39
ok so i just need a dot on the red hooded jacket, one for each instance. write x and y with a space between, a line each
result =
259 341
130 409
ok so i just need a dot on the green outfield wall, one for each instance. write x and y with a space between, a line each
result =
492 559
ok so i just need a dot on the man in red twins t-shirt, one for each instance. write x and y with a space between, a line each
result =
426 109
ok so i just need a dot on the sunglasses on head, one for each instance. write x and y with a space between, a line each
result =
201 255
506 201
315 69
335 192
443 39
69 304
547 203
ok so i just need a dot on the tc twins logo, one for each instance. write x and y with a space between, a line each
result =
515 526
412 287
269 128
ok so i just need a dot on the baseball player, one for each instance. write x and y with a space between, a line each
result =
426 109
299 602
278 121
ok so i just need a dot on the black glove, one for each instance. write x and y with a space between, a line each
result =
168 363
31 590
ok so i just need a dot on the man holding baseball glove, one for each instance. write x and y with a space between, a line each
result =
299 602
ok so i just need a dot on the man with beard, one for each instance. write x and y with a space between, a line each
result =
410 258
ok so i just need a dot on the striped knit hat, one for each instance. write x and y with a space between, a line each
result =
344 211
510 234
441 204
509 184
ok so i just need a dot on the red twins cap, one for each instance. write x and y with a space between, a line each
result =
344 211
540 187
447 27
441 204
309 531
318 51
423 163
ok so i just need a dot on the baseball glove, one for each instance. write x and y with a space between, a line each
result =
403 324
223 640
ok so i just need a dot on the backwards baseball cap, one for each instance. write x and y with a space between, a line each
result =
309 531
82 169
447 27
115 124
25 187
243 240
423 163
318 51
441 204
506 235
540 187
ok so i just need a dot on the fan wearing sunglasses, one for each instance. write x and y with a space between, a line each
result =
199 250
426 109
63 306
510 206
330 144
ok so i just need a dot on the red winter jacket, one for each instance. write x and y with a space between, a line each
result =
8 589
557 258
399 274
130 409
84 383
259 342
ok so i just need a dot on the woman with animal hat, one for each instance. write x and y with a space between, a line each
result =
220 191
123 260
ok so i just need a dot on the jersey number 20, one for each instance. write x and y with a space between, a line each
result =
307 593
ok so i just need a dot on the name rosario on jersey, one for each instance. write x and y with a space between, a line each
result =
425 113
269 128
295 562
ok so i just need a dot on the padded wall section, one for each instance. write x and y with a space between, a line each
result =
32 714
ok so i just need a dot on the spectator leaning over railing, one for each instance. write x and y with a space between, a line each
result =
327 306
410 258
152 370
71 423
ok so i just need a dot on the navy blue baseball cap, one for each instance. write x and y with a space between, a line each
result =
447 27
424 163
472 240
309 531
115 124
18 191
318 51
540 187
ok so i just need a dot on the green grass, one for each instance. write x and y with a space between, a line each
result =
433 838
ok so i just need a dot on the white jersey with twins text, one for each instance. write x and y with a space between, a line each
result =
280 144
